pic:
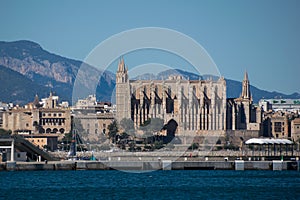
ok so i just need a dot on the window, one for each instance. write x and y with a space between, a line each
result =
88 131
54 114
96 131
59 114
27 124
49 114
277 126
104 125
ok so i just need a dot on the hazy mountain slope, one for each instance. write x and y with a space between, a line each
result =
53 71
14 85
34 70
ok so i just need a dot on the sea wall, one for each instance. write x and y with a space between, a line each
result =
151 165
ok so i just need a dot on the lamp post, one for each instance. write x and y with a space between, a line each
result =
89 146
62 146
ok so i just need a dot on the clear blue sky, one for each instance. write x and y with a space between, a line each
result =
262 37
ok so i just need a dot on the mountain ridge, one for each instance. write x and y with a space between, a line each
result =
44 72
54 72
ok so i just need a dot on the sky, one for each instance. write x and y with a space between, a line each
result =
260 37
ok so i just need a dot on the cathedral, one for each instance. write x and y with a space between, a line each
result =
241 113
193 105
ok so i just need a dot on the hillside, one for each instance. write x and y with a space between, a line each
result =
48 71
14 85
27 69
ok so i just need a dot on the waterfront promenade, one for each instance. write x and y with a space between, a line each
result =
275 165
163 160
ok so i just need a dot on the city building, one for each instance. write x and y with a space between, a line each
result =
281 124
93 126
192 105
38 117
288 105
91 118
43 141
295 129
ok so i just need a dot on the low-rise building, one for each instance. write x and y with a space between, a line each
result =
295 129
37 118
43 141
287 105
94 125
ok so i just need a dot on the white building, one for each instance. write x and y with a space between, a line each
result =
290 105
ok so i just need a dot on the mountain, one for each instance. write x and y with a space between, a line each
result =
17 88
27 69
234 88
49 72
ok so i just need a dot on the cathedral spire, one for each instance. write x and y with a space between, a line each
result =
121 66
122 75
246 87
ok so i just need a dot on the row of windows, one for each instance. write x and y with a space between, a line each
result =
52 114
96 125
38 140
96 131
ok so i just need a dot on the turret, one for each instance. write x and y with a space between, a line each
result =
246 88
122 73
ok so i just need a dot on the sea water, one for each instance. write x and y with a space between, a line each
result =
193 184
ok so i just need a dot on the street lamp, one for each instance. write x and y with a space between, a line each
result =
89 146
62 146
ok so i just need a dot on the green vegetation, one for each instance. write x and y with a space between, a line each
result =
194 146
113 131
5 133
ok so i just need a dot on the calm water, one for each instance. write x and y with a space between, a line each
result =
152 185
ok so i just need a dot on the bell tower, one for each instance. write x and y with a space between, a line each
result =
246 87
122 92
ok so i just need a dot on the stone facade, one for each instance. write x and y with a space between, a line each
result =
241 113
34 118
48 141
295 129
195 105
94 125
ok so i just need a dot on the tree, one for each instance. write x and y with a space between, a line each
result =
113 131
194 146
127 124
4 132
153 125
150 127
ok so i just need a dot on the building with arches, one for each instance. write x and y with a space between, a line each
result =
195 105
36 118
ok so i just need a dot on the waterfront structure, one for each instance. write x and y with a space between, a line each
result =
36 118
192 105
242 114
94 125
47 141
